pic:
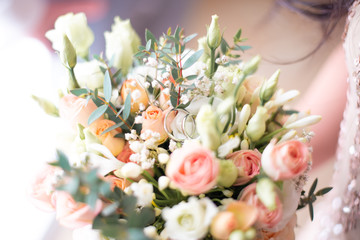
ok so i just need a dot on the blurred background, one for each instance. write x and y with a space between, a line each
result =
30 66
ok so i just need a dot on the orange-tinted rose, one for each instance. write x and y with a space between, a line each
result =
153 119
118 182
76 110
114 144
138 94
73 214
124 156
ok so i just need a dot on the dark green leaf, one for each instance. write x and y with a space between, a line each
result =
150 36
173 101
313 187
323 191
63 161
127 106
107 86
110 209
224 46
79 91
193 58
97 113
311 211
289 112
91 199
177 33
174 73
190 37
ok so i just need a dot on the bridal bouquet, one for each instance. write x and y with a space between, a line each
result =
166 142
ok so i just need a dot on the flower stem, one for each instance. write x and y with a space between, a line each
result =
73 82
212 70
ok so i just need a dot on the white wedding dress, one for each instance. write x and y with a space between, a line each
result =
337 216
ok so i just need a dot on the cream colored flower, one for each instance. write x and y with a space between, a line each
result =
76 28
89 74
121 44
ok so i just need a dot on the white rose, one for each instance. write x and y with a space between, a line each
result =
121 43
89 74
143 191
189 220
76 28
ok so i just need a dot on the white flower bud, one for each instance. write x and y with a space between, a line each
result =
163 158
286 97
304 122
214 34
206 124
67 53
225 106
268 87
257 124
244 117
244 145
251 66
163 182
289 135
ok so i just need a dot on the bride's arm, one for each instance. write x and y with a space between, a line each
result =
326 96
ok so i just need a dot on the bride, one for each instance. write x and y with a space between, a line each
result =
338 215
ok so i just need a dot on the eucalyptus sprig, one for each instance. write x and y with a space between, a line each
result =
311 197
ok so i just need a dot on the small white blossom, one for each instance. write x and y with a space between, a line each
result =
136 146
172 145
143 191
184 99
155 84
129 170
139 119
141 107
165 75
152 62
146 84
166 91
218 61
135 95
151 232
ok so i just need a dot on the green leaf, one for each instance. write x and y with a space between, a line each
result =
190 37
323 191
193 58
177 33
174 73
111 62
110 209
191 77
107 86
150 36
127 106
148 45
97 113
237 36
79 91
173 101
311 211
63 161
313 187
112 127
224 46
242 48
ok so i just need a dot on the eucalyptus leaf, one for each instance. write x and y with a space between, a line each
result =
193 58
79 91
127 106
97 113
112 127
237 36
191 77
323 191
148 45
173 101
107 86
63 161
150 36
189 38
47 106
313 187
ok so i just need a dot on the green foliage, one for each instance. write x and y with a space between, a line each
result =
47 106
193 58
107 86
97 113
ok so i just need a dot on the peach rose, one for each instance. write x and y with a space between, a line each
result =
138 94
154 120
114 144
73 214
248 163
193 168
125 154
41 191
238 215
286 160
266 217
75 110
286 233
118 182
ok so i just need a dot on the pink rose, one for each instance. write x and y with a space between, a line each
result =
266 217
73 214
75 110
193 168
286 233
248 163
41 192
124 156
286 160
153 119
